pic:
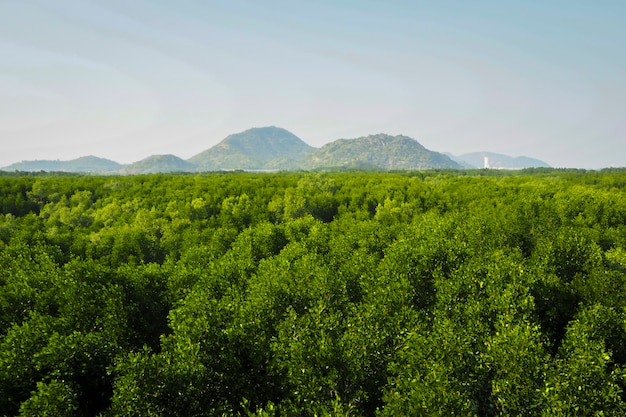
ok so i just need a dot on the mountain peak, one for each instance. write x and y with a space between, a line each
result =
382 139
380 151
257 148
158 163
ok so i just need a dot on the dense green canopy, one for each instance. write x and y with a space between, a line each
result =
376 294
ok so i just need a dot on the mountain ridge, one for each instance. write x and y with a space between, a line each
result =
273 148
86 164
257 148
381 151
499 161
158 164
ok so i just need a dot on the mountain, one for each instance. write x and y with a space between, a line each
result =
273 148
463 164
158 163
377 151
499 161
90 164
263 148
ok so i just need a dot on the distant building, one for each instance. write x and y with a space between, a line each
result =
486 162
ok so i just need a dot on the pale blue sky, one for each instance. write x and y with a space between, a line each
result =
126 79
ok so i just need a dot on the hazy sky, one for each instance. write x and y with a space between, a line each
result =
124 79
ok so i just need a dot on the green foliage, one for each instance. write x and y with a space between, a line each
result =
54 399
315 294
584 379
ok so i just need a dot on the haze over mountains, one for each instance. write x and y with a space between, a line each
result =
158 163
83 164
265 148
497 161
273 148
378 152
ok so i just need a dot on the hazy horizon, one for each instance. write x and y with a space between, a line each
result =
125 80
236 133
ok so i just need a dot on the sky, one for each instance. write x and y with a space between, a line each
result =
124 79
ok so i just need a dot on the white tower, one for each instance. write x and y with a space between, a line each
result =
486 162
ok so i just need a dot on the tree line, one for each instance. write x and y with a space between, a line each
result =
477 293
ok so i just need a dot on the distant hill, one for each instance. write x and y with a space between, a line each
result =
377 151
158 163
273 148
264 148
89 164
499 161
463 164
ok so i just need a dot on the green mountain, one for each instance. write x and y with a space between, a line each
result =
264 148
90 164
377 151
158 163
499 161
273 148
